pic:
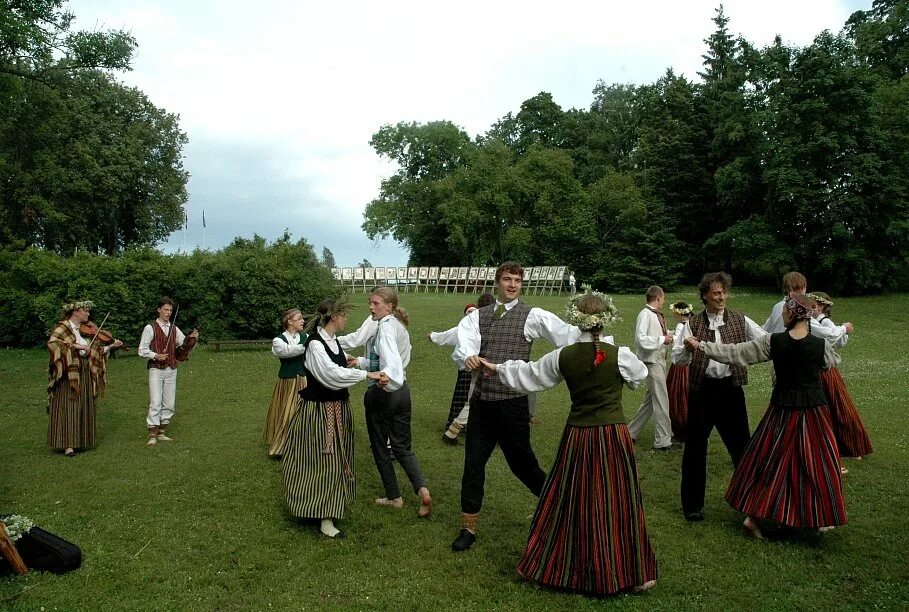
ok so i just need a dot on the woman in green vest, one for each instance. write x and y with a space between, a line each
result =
289 347
588 533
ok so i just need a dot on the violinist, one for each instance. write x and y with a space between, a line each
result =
77 373
160 342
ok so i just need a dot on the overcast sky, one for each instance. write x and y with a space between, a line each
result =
280 98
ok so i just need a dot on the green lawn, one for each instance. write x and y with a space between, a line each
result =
199 523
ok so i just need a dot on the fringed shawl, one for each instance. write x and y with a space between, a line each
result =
64 361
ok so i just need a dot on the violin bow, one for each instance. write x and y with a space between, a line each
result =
95 337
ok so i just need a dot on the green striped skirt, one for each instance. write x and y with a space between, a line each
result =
280 410
71 422
318 484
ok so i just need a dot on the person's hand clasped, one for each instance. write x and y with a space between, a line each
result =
849 327
692 343
488 365
473 362
352 362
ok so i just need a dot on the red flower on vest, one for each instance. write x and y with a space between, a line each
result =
600 357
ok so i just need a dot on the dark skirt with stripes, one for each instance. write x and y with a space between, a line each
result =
318 484
283 403
71 421
588 533
459 396
790 471
851 436
677 386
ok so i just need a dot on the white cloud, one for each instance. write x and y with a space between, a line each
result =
280 99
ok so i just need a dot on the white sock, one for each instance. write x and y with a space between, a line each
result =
328 528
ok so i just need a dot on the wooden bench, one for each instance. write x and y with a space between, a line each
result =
219 344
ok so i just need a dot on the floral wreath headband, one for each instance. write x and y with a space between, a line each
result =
681 308
86 304
820 299
587 322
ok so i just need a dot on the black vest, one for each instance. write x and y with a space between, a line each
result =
797 365
316 391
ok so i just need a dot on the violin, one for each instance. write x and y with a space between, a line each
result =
101 336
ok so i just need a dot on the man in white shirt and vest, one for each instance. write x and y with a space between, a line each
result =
650 341
498 415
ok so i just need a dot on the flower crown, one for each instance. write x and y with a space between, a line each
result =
87 304
681 308
587 322
820 299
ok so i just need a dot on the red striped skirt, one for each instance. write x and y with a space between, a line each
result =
790 471
677 386
588 533
851 437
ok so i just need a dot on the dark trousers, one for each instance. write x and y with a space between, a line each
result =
458 396
506 423
717 403
388 419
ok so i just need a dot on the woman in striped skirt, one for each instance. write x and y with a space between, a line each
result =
789 473
588 533
851 436
319 477
677 378
76 375
289 348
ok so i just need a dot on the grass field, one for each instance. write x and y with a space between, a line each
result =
199 523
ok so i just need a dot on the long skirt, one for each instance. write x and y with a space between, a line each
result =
790 470
588 533
71 422
318 484
851 436
677 386
283 403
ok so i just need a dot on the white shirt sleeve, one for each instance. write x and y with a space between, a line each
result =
632 369
774 323
148 334
530 376
359 337
445 338
648 343
680 354
753 331
544 324
328 372
741 353
285 350
831 332
386 345
468 342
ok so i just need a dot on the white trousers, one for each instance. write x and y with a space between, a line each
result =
656 404
162 391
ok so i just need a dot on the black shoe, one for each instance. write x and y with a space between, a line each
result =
449 441
464 541
694 517
671 447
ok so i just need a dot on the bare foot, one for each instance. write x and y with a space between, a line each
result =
825 529
425 503
751 527
645 587
397 503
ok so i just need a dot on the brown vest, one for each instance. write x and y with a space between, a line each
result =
500 340
159 341
732 332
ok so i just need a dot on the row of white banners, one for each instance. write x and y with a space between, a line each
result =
441 274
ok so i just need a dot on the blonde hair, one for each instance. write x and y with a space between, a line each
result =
390 296
289 314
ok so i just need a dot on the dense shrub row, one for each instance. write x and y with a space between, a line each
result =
238 292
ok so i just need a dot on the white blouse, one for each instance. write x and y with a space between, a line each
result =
285 350
326 371
533 376
830 331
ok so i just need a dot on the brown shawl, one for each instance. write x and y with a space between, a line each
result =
64 360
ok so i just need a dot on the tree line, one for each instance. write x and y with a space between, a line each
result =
777 159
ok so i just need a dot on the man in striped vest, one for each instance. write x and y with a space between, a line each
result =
715 394
499 416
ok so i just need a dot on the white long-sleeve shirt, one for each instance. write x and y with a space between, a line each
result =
539 324
360 336
391 341
835 334
774 323
648 337
285 350
148 334
533 376
448 337
715 369
319 364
